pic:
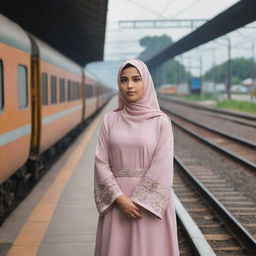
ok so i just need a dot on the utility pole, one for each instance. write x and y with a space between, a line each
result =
214 72
229 71
178 71
253 54
201 75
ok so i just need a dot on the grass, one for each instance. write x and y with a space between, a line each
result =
243 106
204 96
238 105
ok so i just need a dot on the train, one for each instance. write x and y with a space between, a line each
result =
43 96
168 89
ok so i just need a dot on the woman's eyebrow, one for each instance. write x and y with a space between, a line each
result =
132 76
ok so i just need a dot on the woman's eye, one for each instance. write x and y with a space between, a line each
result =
136 79
123 80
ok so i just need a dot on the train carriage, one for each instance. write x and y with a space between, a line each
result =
15 98
58 96
91 94
43 96
104 93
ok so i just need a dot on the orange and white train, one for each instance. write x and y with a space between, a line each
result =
168 89
43 96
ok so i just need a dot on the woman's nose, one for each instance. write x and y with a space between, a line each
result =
130 84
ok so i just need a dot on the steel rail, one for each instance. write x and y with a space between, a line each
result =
232 224
231 137
221 111
241 160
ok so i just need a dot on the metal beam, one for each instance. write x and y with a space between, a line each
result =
166 23
238 15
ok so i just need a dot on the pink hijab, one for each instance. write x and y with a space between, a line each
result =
147 106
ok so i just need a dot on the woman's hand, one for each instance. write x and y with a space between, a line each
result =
128 208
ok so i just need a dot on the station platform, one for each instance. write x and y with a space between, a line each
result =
59 216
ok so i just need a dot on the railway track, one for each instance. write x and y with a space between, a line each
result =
237 148
234 120
232 116
231 227
225 234
184 244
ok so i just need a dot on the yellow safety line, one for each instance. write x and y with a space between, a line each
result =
28 240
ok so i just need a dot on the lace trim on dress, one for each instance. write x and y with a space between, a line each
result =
152 193
104 192
129 172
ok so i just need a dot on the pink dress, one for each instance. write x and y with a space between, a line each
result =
135 159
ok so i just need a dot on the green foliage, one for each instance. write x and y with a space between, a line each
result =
176 73
242 68
238 105
172 70
153 44
235 80
203 97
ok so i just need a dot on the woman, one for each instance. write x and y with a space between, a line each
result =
134 172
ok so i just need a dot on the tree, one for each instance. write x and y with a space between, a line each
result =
153 44
242 68
171 71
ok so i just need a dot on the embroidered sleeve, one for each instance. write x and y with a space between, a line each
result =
153 190
152 195
105 193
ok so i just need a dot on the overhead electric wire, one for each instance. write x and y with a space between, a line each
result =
160 14
185 9
166 7
146 8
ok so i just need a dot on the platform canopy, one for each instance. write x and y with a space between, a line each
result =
74 27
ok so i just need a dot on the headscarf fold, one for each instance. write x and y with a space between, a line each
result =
145 107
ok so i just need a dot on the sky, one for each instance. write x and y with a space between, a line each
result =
123 43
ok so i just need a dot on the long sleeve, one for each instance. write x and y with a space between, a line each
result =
106 189
153 190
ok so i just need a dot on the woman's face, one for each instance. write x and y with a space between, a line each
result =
131 84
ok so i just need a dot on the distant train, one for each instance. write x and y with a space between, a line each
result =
43 96
168 89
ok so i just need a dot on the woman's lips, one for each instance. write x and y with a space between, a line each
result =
130 93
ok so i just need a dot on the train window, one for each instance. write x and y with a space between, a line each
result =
69 90
1 86
89 91
44 89
84 91
93 88
73 91
86 87
78 91
53 90
22 86
62 91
